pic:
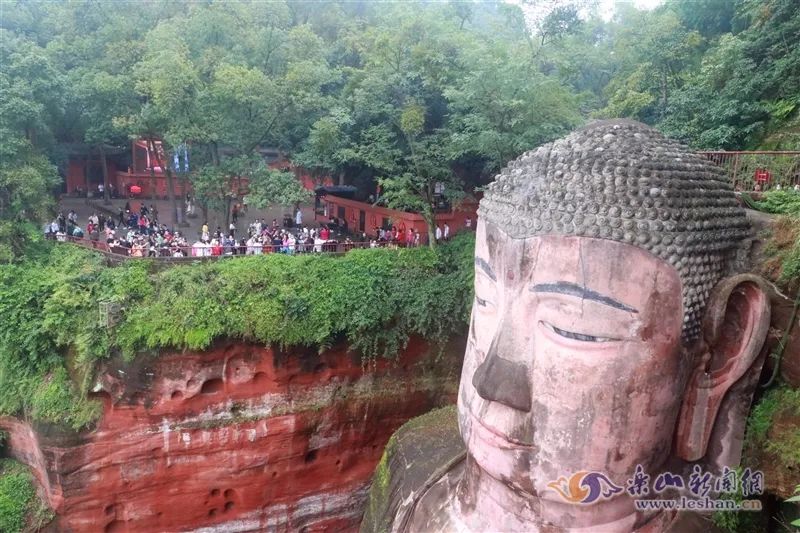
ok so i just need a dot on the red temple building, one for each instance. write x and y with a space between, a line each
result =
363 216
140 172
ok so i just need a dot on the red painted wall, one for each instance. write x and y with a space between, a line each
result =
374 216
77 169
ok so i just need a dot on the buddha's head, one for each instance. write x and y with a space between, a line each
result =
609 320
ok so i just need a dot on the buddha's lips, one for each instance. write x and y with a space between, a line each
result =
495 437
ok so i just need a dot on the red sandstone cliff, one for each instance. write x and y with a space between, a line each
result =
238 438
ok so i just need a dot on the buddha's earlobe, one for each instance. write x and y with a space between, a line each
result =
735 326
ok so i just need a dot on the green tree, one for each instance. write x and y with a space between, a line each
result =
744 95
654 51
29 99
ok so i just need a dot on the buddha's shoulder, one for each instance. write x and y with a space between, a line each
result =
418 453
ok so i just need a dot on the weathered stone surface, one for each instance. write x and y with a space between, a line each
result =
238 438
423 445
624 181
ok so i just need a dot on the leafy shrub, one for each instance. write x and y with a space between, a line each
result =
374 299
784 202
782 252
17 494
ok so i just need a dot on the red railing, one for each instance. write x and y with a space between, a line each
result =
218 252
759 170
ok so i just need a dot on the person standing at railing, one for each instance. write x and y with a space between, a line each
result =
287 244
216 248
137 250
254 246
229 245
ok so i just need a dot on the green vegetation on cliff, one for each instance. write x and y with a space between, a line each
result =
766 433
53 337
782 249
20 508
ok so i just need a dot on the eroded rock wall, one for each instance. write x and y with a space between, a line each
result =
237 438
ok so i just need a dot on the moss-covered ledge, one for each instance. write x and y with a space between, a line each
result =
58 311
417 450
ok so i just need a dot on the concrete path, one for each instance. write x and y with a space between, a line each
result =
84 209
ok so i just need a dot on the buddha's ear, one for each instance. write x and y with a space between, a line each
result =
734 328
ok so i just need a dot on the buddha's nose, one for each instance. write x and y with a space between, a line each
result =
499 380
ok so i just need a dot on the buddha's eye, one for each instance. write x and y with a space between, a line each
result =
576 336
480 301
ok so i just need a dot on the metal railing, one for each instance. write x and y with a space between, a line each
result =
759 170
193 252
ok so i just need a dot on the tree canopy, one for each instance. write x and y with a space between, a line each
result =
411 96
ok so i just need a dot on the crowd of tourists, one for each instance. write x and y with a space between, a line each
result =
139 234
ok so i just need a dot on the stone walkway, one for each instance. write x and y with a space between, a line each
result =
84 208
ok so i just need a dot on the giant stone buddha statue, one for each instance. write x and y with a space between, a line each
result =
612 330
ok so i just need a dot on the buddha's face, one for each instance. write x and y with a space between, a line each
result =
573 361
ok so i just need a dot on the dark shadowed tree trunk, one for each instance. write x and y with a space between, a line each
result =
86 176
171 195
151 147
104 164
170 184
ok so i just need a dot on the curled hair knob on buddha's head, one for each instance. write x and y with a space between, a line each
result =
624 181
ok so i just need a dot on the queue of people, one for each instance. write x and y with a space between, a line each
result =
395 237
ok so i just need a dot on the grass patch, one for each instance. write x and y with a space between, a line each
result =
762 433
782 252
19 505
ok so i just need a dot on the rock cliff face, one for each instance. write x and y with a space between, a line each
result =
236 438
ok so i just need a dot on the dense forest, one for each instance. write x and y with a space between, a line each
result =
404 94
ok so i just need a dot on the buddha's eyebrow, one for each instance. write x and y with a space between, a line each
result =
479 261
571 289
